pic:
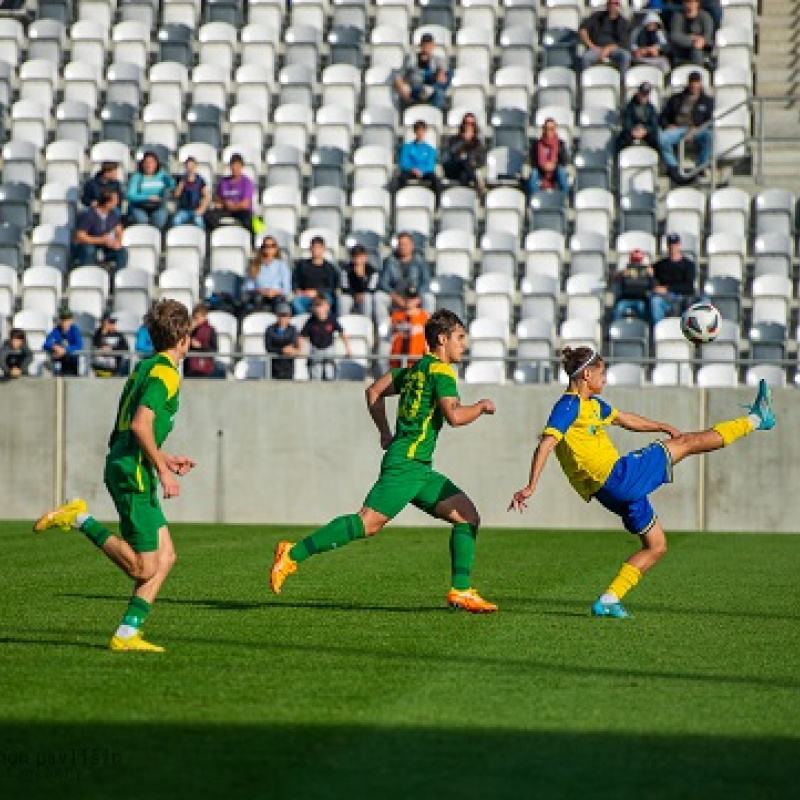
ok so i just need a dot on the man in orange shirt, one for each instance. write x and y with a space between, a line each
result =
408 330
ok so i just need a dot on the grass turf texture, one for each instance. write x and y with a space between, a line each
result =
357 683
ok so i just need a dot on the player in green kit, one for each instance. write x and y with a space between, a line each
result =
135 466
428 399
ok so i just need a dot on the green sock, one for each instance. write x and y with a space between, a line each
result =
462 553
138 610
337 533
96 533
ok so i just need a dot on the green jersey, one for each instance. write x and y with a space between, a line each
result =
154 384
419 418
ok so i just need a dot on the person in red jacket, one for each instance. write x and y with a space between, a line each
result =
203 340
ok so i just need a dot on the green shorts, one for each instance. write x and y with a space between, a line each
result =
409 481
140 514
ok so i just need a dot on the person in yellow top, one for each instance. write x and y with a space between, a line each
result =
577 430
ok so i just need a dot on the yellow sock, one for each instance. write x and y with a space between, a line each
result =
627 578
734 429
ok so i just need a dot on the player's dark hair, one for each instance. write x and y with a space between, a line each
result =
167 322
572 359
441 323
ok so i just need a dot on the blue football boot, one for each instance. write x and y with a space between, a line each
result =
762 407
616 610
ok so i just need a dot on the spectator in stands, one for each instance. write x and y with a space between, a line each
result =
15 355
269 279
402 269
320 332
358 283
606 35
674 286
63 343
148 191
423 78
314 277
203 339
144 344
192 197
632 287
466 153
408 330
649 43
98 235
106 341
639 120
107 177
683 114
691 34
417 160
548 157
233 200
282 339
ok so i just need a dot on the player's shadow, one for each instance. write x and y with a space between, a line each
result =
248 605
649 608
50 643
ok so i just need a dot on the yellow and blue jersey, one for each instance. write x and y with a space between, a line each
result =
586 453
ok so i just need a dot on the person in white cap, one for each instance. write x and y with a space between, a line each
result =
649 43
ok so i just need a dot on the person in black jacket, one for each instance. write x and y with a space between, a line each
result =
107 177
359 281
282 339
673 286
314 277
640 120
15 355
106 341
606 35
683 114
465 153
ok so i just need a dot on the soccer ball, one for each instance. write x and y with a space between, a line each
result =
700 323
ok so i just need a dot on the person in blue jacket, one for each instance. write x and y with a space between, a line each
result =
417 161
148 191
63 343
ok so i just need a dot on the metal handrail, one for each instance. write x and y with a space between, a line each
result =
754 104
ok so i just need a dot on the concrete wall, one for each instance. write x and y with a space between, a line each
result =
275 453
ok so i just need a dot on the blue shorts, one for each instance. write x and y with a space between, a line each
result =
633 477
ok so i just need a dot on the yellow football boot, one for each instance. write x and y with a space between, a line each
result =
62 517
469 600
134 644
282 567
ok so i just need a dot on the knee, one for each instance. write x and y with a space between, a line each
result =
657 550
371 527
144 570
168 561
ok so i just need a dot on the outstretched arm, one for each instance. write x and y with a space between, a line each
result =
376 404
540 456
634 422
457 415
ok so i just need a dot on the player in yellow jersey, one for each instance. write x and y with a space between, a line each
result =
135 466
576 430
428 399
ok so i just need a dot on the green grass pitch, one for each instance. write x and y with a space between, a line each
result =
357 683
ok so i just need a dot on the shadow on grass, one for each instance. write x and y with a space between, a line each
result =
247 605
305 762
51 642
531 668
509 605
